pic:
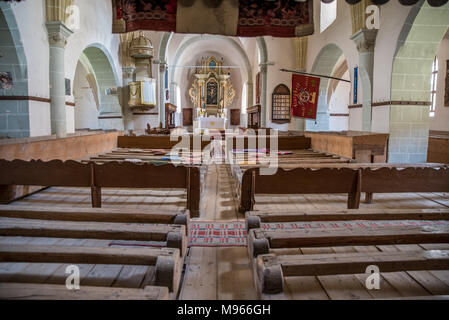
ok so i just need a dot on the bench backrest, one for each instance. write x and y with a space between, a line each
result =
110 175
343 180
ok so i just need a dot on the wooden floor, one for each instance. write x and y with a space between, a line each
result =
218 273
225 273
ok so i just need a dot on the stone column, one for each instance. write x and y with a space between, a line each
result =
365 41
58 34
162 69
128 117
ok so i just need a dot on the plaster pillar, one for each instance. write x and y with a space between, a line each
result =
128 117
365 41
162 70
58 34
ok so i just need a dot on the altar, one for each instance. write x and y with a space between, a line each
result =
211 123
212 94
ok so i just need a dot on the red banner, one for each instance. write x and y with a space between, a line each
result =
305 91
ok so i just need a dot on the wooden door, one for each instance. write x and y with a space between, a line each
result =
235 117
187 116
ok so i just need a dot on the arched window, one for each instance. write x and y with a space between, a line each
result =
433 92
328 14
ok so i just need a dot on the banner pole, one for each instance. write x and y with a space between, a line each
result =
315 75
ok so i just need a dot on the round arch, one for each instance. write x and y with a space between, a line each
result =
324 64
410 84
246 76
13 64
97 60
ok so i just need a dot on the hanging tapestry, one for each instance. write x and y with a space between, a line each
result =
305 92
244 18
155 15
446 88
280 18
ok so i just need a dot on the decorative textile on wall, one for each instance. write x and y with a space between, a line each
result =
155 15
281 18
433 3
305 92
446 90
245 18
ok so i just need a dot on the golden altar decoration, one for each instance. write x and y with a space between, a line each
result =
212 92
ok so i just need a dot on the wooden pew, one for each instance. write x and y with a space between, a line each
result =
254 219
28 291
276 255
98 176
173 235
167 262
346 178
272 269
123 215
260 242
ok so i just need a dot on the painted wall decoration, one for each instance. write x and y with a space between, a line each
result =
305 92
6 81
446 88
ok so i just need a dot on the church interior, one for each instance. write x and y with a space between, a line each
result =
224 149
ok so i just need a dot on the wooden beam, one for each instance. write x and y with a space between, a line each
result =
84 255
273 268
356 263
123 215
355 236
347 215
21 291
95 230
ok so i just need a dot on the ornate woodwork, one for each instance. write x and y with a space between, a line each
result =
212 92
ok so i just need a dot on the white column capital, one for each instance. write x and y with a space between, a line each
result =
365 39
58 33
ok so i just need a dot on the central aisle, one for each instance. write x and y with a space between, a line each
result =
218 273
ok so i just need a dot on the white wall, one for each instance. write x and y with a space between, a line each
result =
95 28
39 119
85 111
281 52
338 104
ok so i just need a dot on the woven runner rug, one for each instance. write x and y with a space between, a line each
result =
233 234
217 234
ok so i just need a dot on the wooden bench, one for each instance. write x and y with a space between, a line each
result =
123 215
28 291
272 269
275 254
351 179
260 242
109 237
167 262
98 176
255 219
173 235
